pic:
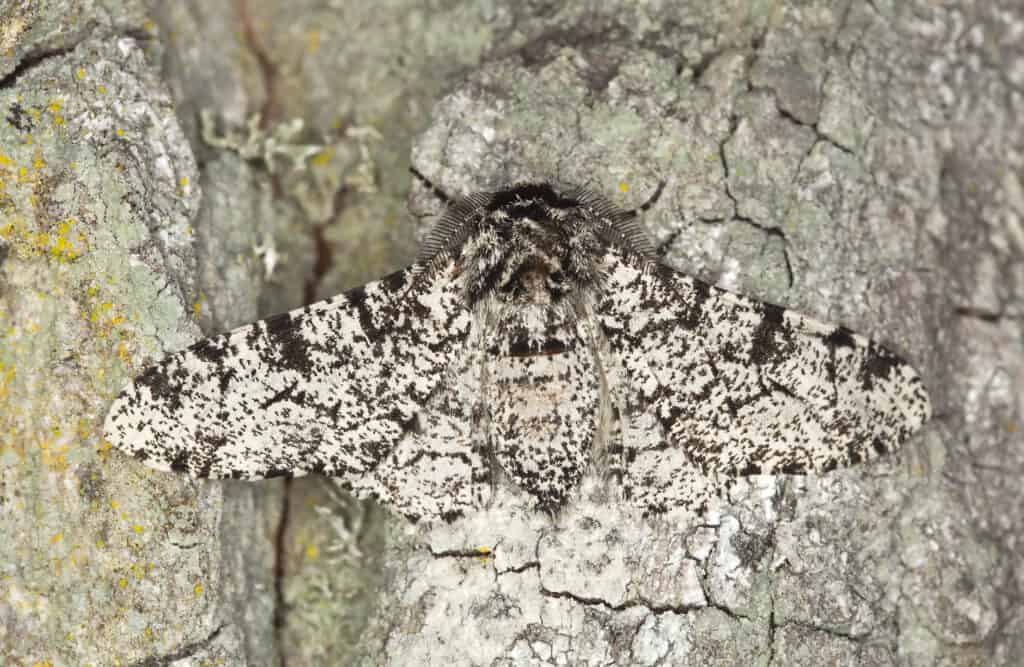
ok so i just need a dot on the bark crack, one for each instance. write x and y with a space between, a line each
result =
184 652
736 215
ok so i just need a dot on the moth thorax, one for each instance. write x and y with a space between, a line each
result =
537 280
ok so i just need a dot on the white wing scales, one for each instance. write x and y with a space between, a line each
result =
738 387
352 387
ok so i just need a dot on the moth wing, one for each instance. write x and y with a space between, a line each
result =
352 387
719 383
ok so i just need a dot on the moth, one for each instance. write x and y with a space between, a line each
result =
536 336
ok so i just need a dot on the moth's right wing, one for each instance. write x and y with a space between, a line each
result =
367 387
719 385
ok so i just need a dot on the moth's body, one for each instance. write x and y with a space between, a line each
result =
535 336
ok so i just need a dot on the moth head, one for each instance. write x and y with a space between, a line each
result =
532 242
535 245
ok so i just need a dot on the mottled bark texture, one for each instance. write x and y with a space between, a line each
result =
859 161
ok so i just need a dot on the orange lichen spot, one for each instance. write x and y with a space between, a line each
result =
100 311
80 73
56 538
101 89
6 378
312 552
623 187
1011 427
197 308
313 41
60 247
198 589
323 158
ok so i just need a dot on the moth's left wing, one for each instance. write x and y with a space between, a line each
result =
366 386
717 383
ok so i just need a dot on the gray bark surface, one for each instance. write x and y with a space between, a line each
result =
860 162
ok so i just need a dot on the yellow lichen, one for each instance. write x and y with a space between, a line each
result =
623 187
311 552
322 158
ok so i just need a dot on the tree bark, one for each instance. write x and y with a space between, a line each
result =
859 162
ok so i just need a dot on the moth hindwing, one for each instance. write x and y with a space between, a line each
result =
537 334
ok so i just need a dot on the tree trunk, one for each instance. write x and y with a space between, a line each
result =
859 162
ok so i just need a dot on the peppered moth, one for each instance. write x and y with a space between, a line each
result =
536 335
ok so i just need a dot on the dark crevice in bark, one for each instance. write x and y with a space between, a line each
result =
280 608
268 72
32 61
528 565
463 553
183 653
769 231
628 604
990 316
41 55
